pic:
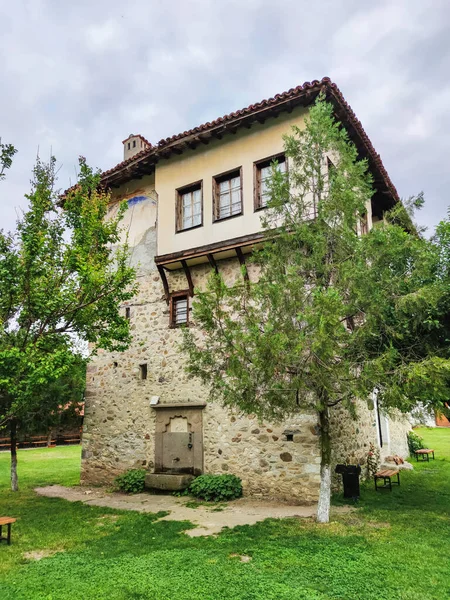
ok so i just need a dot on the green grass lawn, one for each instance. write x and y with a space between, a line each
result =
395 546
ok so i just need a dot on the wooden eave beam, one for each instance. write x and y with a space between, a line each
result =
241 259
212 262
247 240
165 283
187 272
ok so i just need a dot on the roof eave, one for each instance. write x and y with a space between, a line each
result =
144 162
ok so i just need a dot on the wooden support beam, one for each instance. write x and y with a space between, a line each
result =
187 272
246 240
212 262
241 258
165 283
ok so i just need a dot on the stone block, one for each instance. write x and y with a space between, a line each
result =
286 457
166 481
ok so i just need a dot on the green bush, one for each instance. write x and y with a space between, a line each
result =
216 488
415 442
131 482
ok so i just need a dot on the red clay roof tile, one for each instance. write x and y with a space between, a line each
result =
307 90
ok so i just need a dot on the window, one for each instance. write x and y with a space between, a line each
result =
129 145
227 195
189 207
143 371
134 143
179 310
263 172
127 313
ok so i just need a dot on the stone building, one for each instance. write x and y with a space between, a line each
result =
194 204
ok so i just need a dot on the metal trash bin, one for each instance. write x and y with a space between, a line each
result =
350 478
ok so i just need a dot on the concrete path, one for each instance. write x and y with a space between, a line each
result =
245 511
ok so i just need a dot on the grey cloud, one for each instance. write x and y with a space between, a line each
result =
79 77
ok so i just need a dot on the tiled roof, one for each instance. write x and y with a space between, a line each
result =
301 95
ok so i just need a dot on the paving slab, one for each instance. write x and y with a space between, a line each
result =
245 511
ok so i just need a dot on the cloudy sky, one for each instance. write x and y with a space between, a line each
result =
78 77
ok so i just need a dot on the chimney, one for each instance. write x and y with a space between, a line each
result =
133 145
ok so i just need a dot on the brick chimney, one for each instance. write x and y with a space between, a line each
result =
133 145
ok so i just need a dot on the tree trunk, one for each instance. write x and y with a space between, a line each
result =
49 437
323 508
14 482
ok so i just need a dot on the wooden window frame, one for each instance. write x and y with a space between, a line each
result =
174 296
192 187
257 166
216 180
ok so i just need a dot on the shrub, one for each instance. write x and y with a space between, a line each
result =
216 488
131 482
415 442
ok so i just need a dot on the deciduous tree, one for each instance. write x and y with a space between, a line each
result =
63 276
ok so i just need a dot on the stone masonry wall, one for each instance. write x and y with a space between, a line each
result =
119 422
351 438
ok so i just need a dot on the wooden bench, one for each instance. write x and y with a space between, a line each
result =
5 443
37 440
6 521
386 475
75 440
424 453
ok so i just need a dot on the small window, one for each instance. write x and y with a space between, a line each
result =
127 313
179 310
134 143
227 194
189 207
263 172
143 371
129 145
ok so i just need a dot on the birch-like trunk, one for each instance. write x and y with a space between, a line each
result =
14 481
323 508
